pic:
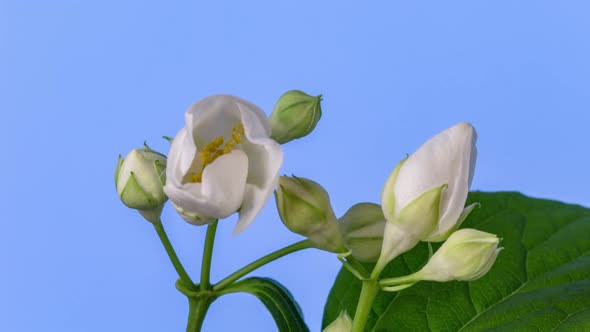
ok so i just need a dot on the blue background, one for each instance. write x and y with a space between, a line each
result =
82 81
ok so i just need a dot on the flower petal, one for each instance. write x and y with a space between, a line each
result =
447 158
224 182
218 196
224 111
265 158
180 157
257 195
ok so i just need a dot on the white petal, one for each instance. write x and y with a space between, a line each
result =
221 192
257 195
180 157
224 182
447 158
188 198
192 217
216 115
265 158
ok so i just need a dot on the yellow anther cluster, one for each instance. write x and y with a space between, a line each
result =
216 148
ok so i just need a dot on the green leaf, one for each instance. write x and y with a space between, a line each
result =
277 299
540 282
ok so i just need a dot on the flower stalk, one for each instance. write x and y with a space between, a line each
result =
261 262
207 256
368 293
184 277
198 308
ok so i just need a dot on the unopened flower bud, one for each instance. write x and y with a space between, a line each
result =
139 180
304 207
295 115
342 324
361 228
468 254
424 197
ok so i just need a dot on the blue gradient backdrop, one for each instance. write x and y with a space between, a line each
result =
82 81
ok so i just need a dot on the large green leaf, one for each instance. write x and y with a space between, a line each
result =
277 299
540 282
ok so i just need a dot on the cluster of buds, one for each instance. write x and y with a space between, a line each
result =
419 203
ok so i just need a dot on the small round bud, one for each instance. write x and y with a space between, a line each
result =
295 115
139 180
468 254
304 207
362 228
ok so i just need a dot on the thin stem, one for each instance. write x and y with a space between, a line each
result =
186 279
368 293
358 266
260 262
196 314
411 278
207 255
357 273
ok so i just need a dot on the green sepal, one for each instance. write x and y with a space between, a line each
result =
168 138
397 288
161 169
118 169
461 219
135 197
420 217
387 197
148 149
277 300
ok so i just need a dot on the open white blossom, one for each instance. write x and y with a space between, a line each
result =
222 161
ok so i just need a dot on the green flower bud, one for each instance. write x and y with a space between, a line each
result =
295 115
362 228
139 180
342 324
304 207
468 254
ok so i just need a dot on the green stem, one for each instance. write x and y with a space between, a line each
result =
207 256
368 293
260 262
186 279
357 266
196 314
411 278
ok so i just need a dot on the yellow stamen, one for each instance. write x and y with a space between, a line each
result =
196 178
237 133
216 148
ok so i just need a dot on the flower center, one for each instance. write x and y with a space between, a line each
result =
216 148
